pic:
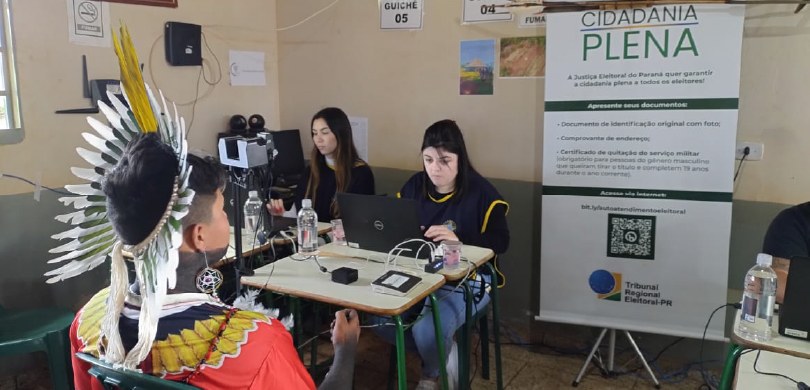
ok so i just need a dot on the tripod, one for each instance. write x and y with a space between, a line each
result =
237 183
611 349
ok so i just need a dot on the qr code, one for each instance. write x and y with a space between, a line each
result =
631 236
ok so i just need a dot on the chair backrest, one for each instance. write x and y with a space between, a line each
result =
113 378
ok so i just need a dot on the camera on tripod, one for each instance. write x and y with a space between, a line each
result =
241 152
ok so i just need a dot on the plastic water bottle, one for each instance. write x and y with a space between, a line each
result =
307 228
758 301
253 210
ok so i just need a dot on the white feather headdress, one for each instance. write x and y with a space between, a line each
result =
92 238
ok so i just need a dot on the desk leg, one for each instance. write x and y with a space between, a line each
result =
734 352
400 337
496 326
298 332
464 346
437 326
313 346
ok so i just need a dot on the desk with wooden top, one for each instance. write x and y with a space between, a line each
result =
476 257
303 279
778 344
770 362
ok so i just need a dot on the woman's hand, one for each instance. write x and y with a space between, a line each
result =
439 233
275 207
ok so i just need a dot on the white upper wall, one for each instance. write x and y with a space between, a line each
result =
775 104
50 77
404 81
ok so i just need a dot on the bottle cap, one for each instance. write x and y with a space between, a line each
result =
764 259
253 194
306 203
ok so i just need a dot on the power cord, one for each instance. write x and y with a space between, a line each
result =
306 257
746 152
799 385
705 377
35 184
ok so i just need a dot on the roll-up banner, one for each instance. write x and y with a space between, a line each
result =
638 159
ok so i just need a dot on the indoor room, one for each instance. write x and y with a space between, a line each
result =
501 139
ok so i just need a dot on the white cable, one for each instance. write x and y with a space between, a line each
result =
399 250
308 18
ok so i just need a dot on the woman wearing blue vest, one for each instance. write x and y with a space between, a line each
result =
334 167
455 203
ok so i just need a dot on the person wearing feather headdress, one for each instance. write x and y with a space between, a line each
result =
148 197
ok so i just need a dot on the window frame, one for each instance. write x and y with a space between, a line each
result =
15 134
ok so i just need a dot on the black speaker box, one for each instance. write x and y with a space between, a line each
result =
183 44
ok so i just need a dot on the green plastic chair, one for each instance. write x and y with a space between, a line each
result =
34 330
113 378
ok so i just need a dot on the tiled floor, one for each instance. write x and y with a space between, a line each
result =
535 366
529 366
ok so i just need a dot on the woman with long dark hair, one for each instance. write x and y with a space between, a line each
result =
334 166
455 203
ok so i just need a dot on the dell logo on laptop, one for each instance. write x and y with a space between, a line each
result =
379 225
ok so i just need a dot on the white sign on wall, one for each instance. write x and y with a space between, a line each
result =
401 15
532 20
475 11
89 23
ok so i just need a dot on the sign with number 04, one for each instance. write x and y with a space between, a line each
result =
401 15
485 11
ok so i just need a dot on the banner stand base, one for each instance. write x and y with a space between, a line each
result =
611 350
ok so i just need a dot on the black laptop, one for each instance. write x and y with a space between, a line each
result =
378 223
794 316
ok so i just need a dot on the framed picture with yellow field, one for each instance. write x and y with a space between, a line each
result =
159 3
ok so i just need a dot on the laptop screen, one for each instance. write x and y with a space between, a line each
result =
794 318
378 223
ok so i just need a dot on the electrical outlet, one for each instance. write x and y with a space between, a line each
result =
756 151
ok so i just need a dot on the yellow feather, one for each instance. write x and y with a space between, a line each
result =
132 81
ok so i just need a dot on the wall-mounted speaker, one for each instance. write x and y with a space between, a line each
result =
183 44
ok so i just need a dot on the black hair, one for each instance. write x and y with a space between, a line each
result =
139 187
446 135
346 156
207 178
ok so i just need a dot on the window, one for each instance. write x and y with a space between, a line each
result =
11 130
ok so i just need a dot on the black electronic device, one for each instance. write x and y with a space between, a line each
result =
183 44
237 122
395 283
794 318
344 275
288 163
256 122
378 223
434 266
95 90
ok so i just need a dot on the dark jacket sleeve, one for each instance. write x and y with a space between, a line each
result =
362 180
496 235
787 235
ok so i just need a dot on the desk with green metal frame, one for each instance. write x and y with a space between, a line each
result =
302 279
778 344
478 258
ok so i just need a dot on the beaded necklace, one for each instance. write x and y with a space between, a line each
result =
213 346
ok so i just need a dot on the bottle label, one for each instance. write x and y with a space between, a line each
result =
749 309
